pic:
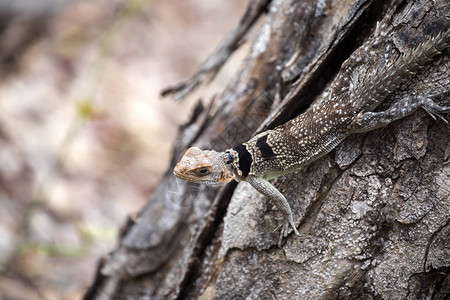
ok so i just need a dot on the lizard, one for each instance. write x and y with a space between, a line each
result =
348 109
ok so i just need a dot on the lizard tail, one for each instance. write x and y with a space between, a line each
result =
411 62
405 66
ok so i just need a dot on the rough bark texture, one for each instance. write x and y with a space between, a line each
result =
374 213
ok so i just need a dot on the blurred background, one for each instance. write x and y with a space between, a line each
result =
84 135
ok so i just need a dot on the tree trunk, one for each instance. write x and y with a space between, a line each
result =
374 213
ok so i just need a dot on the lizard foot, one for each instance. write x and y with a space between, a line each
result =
285 230
436 111
370 120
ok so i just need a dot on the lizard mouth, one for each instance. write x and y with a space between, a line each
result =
177 172
181 173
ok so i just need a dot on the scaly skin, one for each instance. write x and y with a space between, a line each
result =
295 144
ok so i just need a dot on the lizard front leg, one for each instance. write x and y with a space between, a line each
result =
366 121
267 189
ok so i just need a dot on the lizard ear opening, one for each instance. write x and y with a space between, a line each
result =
230 158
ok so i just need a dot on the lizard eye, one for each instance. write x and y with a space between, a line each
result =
203 171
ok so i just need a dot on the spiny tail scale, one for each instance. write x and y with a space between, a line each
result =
399 71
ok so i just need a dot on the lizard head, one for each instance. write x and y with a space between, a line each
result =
206 167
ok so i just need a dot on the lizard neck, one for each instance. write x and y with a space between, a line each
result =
241 160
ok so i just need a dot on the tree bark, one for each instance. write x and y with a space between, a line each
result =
374 213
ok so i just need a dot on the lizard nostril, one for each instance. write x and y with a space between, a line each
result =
176 170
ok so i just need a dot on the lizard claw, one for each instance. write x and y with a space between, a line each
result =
291 222
285 230
435 110
435 114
